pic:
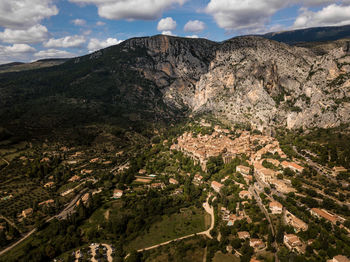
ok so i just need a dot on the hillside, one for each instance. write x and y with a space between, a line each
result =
316 34
146 80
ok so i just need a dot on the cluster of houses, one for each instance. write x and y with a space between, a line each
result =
201 147
232 218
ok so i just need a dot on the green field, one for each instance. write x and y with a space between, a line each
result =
220 257
190 221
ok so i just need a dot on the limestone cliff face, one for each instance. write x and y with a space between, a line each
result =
250 79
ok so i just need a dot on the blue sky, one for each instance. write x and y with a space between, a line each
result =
37 29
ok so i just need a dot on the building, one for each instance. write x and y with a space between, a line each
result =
27 212
198 178
256 243
293 242
142 171
245 194
293 166
243 235
49 184
117 193
338 169
94 160
281 186
264 174
173 181
84 199
339 258
275 207
74 178
322 213
47 202
157 185
86 171
216 186
295 222
244 170
253 259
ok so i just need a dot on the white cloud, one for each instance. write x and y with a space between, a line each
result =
16 52
79 22
168 33
34 34
53 53
332 15
166 24
243 15
18 48
68 41
17 14
100 23
96 44
194 26
131 9
254 15
192 36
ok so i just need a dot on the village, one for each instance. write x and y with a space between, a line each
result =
256 196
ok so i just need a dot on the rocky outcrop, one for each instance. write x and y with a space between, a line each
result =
250 79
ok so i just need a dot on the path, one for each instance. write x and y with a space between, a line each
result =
71 190
93 253
16 243
7 164
10 222
263 209
109 252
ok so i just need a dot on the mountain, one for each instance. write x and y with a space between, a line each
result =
247 79
316 34
18 66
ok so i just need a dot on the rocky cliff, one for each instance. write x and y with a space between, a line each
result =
243 80
250 79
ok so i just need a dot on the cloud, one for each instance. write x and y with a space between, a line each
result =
19 14
17 48
194 26
53 53
166 24
192 36
253 15
66 42
96 44
79 22
131 9
100 23
16 52
168 33
242 15
34 34
332 15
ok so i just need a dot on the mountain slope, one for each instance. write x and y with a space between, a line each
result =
243 80
316 34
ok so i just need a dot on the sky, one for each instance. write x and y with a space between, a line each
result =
36 29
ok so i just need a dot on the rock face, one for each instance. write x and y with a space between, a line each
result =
249 79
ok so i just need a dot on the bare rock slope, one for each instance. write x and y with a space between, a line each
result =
250 79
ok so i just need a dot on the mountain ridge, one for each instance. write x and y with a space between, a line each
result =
247 79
